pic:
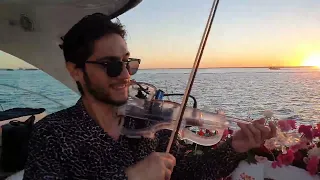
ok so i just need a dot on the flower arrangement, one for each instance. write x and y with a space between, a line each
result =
305 154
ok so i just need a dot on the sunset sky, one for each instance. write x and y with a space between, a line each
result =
246 33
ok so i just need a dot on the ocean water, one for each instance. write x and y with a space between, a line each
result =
239 92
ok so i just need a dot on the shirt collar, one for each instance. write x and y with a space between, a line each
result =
83 117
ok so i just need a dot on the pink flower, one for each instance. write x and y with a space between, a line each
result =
284 159
287 158
287 125
275 164
307 131
312 165
316 132
230 131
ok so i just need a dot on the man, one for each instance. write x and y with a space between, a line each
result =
84 141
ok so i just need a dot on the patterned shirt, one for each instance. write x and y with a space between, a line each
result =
69 144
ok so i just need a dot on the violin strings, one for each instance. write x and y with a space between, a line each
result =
193 73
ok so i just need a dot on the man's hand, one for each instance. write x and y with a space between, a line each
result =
157 166
252 135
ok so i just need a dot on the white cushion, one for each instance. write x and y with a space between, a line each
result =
16 176
265 170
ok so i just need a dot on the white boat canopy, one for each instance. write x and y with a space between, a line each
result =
32 29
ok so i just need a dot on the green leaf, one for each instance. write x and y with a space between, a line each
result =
251 158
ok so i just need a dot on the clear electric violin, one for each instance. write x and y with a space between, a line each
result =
146 103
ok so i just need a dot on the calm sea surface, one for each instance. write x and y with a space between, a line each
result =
239 92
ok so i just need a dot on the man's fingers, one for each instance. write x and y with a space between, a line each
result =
260 121
273 130
264 130
256 133
247 132
169 163
168 174
168 156
169 160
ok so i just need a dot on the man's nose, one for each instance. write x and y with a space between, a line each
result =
125 73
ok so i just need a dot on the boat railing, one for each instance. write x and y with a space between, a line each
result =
32 92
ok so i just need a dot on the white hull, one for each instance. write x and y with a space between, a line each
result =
263 170
16 176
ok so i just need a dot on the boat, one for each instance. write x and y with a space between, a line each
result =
274 68
22 22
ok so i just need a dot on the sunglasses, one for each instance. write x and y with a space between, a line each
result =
114 65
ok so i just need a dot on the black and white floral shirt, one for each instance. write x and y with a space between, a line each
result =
69 144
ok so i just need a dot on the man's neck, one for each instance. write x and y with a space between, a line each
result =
104 115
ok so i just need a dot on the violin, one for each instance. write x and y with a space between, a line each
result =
144 105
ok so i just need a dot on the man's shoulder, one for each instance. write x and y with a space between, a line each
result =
54 122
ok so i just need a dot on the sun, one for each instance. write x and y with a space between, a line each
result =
312 60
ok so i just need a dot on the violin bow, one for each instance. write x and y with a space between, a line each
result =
193 73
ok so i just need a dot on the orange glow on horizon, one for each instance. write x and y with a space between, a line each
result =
212 62
312 60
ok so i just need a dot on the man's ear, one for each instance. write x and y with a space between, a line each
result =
75 73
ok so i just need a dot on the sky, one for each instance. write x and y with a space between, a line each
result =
246 33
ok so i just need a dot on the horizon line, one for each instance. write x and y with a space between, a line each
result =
223 67
233 67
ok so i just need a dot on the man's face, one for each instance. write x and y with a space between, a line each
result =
110 90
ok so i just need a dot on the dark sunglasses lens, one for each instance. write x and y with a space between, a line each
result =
114 68
133 67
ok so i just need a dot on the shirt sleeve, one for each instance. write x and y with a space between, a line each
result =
214 164
44 161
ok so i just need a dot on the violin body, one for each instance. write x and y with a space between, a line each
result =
162 114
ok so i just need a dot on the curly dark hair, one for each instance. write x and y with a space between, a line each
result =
78 43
